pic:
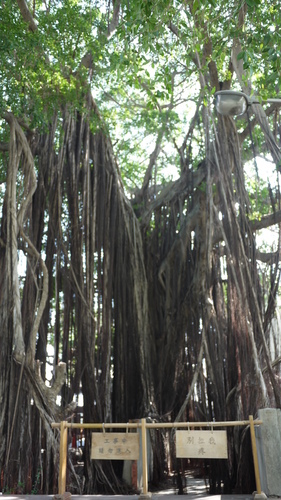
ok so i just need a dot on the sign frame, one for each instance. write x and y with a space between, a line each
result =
115 446
201 444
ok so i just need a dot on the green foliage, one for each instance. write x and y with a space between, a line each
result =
145 78
40 71
259 198
36 485
261 44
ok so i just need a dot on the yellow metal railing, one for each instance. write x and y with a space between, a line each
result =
144 425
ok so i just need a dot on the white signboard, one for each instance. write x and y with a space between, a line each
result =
201 444
115 446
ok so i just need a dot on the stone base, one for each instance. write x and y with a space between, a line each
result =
259 496
145 496
63 496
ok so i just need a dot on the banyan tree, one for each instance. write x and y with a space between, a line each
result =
139 293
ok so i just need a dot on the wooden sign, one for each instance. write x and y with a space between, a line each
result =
115 446
201 444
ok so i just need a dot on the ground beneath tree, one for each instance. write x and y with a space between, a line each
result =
167 494
192 485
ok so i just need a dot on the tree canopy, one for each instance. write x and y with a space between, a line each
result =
132 272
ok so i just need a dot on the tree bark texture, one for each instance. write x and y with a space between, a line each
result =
140 315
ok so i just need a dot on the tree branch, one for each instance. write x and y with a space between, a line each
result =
246 132
266 221
44 297
27 16
87 59
152 160
236 49
115 18
173 189
273 364
266 257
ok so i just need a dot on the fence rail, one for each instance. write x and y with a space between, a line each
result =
144 425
